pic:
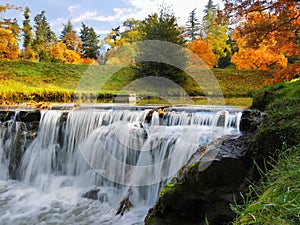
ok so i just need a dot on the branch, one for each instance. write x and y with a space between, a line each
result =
277 27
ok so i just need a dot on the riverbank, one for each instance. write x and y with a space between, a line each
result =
253 179
23 81
275 198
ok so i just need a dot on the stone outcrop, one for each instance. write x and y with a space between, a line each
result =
19 129
210 181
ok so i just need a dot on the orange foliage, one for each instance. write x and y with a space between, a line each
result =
261 58
60 53
258 52
289 73
88 61
9 48
202 49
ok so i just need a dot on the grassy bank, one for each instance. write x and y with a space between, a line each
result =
276 199
23 81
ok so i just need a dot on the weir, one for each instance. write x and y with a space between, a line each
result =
78 164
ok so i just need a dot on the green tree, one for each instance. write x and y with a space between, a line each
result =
132 31
193 26
215 29
90 42
44 37
27 29
67 28
162 27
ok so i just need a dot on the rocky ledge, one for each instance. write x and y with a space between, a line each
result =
210 181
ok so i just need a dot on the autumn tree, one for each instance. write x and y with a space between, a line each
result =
203 50
60 53
45 38
90 42
120 51
162 27
9 31
193 26
272 26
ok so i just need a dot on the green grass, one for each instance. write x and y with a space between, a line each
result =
276 199
22 81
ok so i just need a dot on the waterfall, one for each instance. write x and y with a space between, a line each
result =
12 145
112 153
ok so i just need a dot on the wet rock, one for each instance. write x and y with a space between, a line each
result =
95 194
92 194
125 205
205 187
29 116
250 120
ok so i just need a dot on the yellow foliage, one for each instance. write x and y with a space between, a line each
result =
9 48
72 57
122 55
202 49
60 53
30 54
114 61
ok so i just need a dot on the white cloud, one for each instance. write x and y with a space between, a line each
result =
73 8
89 15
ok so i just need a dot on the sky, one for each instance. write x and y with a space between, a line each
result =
103 15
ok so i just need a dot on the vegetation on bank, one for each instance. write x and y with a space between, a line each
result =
24 81
276 199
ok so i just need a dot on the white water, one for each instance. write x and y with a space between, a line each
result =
115 151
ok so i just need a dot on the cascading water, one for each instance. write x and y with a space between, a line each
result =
106 155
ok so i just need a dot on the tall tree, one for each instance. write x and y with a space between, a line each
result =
27 29
193 26
163 27
44 37
90 42
67 28
215 29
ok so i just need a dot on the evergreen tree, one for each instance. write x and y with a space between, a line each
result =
193 26
27 29
68 28
14 27
44 37
162 27
90 42
215 30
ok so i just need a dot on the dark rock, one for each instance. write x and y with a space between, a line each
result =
29 116
92 194
95 194
250 120
205 186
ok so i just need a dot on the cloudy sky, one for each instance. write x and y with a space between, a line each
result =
103 15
